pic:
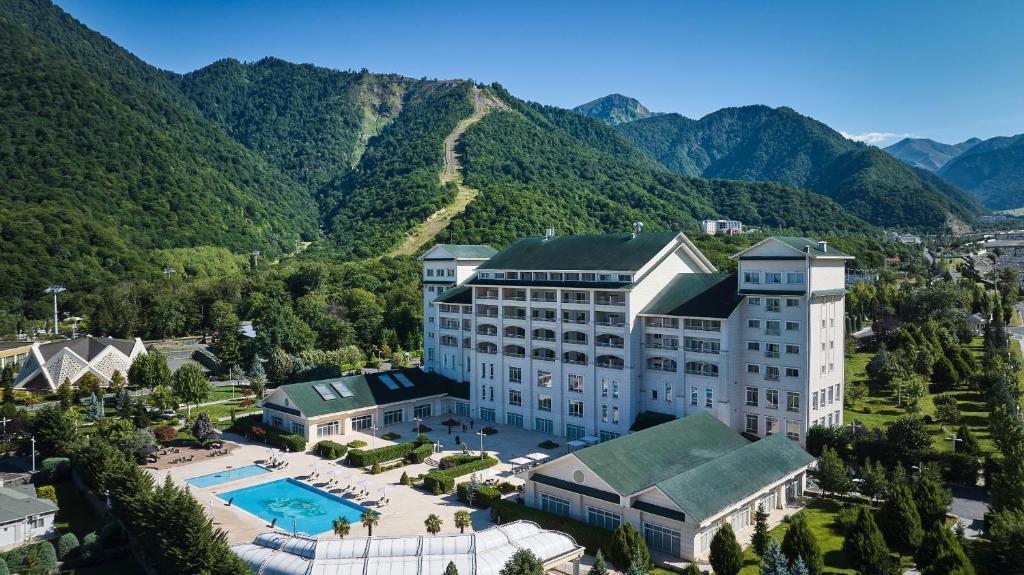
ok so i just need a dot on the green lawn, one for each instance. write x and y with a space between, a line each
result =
218 410
821 518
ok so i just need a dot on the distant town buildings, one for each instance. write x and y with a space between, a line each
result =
724 227
49 364
910 239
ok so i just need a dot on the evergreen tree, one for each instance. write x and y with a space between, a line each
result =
3 567
931 497
773 561
899 520
66 393
46 559
690 569
93 409
941 554
202 427
600 567
638 567
726 556
522 562
873 484
122 399
55 430
88 385
761 538
799 567
865 546
1006 542
627 542
800 541
67 543
967 442
7 384
450 569
117 382
833 474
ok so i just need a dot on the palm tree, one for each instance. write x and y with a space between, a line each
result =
342 527
433 524
369 519
462 520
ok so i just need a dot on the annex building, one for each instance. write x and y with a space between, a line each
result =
579 336
24 518
331 408
49 364
677 483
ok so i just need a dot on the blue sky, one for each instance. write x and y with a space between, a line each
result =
940 69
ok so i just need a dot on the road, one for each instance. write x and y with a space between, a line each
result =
970 506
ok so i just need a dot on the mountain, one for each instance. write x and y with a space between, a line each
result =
779 145
992 170
928 154
615 109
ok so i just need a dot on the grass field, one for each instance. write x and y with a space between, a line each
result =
821 519
78 517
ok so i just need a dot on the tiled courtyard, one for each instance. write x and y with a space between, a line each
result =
408 506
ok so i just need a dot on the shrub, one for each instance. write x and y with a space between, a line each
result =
422 429
66 544
421 453
376 469
593 538
46 492
484 497
846 518
547 444
488 430
404 479
365 458
165 433
3 567
89 544
627 542
290 441
356 444
55 469
390 436
438 482
111 535
330 449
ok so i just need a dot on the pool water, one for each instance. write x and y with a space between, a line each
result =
219 477
312 510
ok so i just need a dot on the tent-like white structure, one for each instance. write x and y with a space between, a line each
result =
480 553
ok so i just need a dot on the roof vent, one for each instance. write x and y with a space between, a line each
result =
822 246
637 228
549 233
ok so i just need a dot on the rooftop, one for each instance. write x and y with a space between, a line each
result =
358 391
598 252
18 502
481 553
86 347
467 251
458 294
805 246
696 295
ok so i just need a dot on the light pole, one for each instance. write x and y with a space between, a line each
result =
4 422
33 454
418 420
55 289
481 434
373 445
954 439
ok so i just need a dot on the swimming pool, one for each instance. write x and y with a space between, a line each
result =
211 479
313 510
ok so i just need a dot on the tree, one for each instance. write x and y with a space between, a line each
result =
873 476
66 544
341 527
726 556
865 546
931 497
1006 542
450 569
945 373
258 388
600 567
899 520
123 400
66 393
833 473
119 433
191 385
773 561
93 408
799 567
855 392
627 542
691 569
941 554
800 541
967 442
910 390
55 430
88 385
462 520
161 397
638 567
761 538
522 562
369 519
1007 491
280 367
117 382
433 524
202 427
907 435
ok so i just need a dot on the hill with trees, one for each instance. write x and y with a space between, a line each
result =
780 145
615 109
928 154
992 170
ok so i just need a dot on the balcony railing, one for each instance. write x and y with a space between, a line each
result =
487 296
702 349
661 367
514 354
576 321
662 345
611 323
539 338
516 297
615 344
610 365
515 335
576 361
616 302
518 316
662 324
543 318
551 299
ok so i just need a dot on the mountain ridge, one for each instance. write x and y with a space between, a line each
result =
928 154
615 109
992 170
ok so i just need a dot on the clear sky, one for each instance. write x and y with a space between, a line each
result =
943 69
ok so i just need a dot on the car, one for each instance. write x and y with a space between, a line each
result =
168 414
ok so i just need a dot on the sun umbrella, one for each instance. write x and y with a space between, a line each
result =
146 450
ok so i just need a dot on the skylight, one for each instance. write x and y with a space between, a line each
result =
342 389
403 380
325 393
386 379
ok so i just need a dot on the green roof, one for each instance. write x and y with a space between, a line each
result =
369 390
458 294
696 295
701 464
706 489
811 247
20 501
611 252
469 251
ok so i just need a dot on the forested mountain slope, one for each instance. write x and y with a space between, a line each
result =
992 170
928 154
780 145
614 109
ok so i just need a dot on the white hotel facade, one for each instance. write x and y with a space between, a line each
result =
578 336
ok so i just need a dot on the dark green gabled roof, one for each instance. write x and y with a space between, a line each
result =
706 489
470 251
20 501
609 252
696 295
811 246
458 294
368 390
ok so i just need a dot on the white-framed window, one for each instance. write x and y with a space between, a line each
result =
752 277
604 412
615 414
615 389
771 373
543 425
754 323
556 505
362 423
753 368
515 374
796 278
793 429
604 387
709 397
750 420
668 393
771 398
792 348
704 540
814 400
514 419
753 301
544 402
752 396
771 327
753 346
740 519
792 372
772 304
487 414
422 411
393 416
603 519
792 302
831 395
662 539
771 424
575 383
328 429
515 397
772 278
793 401
693 395
575 408
543 378
792 326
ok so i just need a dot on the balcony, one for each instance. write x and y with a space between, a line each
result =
550 318
611 322
514 351
543 354
672 345
574 357
610 362
661 323
702 349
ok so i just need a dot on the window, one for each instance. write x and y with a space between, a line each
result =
277 422
515 397
422 411
574 431
771 327
603 519
771 398
662 538
462 408
543 378
790 348
702 368
772 304
606 436
362 423
515 374
543 425
795 278
693 395
831 395
575 383
753 346
668 393
741 518
615 390
604 412
705 538
555 505
393 416
430 273
752 396
328 429
604 387
486 414
771 424
654 394
792 302
771 350
514 419
771 373
754 323
792 401
753 368
575 408
792 326
793 429
753 301
709 397
752 277
615 414
792 372
492 393
814 400
544 402
772 277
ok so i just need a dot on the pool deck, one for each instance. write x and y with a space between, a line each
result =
408 508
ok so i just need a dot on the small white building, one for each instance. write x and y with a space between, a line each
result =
677 483
725 227
976 322
24 518
49 364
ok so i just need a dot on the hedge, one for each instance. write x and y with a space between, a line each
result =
438 482
364 457
485 494
289 441
54 469
589 536
421 453
330 449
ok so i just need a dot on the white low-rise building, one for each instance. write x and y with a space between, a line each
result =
24 518
677 483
